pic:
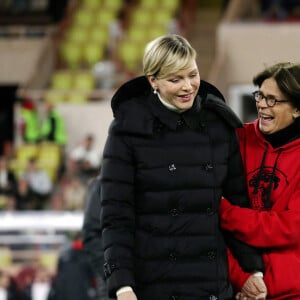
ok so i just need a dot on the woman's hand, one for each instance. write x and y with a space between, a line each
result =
241 296
253 289
127 296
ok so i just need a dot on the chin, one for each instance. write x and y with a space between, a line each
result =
267 131
187 105
264 130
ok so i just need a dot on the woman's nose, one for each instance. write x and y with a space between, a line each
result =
187 85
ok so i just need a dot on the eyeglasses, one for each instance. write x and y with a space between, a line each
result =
270 100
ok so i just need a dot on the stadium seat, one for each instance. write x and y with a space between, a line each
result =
98 34
78 97
27 151
5 257
71 54
84 81
77 33
92 53
130 54
62 80
171 5
91 4
112 5
23 153
142 17
156 31
49 158
151 5
84 17
104 17
55 96
49 258
162 17
138 34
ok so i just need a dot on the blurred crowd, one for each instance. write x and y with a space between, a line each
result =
34 281
38 174
262 10
56 180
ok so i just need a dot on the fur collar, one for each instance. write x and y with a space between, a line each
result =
136 108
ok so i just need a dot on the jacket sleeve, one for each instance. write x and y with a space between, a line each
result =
257 228
237 276
235 191
91 229
118 212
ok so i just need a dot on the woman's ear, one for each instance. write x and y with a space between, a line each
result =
152 81
296 113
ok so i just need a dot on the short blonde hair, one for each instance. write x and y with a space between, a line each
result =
166 55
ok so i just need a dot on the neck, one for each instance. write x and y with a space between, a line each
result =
283 136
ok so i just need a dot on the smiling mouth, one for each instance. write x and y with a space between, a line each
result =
266 118
186 96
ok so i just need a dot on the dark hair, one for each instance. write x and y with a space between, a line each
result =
287 77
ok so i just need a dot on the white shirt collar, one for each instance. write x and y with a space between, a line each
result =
169 106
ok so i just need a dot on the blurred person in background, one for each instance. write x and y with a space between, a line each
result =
270 148
53 130
116 31
170 155
39 183
23 195
8 288
74 194
87 158
57 200
29 123
39 288
265 10
92 236
26 273
53 126
7 178
75 278
279 10
8 185
4 286
8 202
187 15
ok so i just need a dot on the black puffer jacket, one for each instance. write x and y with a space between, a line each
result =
163 175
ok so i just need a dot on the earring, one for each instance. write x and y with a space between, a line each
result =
155 91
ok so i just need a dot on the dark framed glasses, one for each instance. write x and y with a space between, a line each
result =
270 100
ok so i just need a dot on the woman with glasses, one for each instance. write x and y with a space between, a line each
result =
270 148
170 155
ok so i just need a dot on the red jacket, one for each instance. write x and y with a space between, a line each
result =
274 224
